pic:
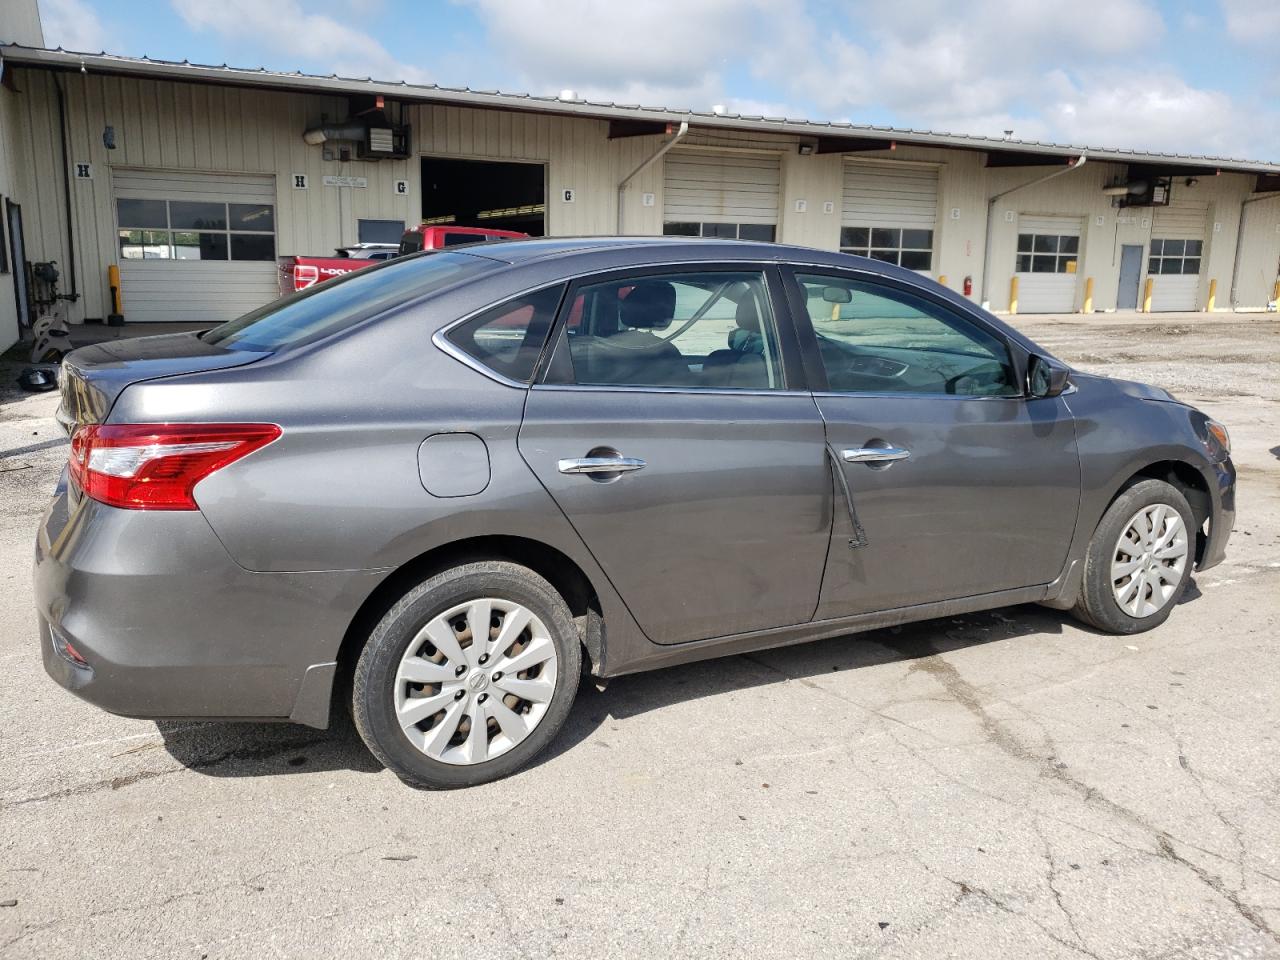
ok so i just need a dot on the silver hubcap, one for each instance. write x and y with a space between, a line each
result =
475 681
1149 559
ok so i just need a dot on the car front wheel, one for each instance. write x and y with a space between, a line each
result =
468 677
1139 560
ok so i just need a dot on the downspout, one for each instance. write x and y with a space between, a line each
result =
74 295
1235 267
1075 164
657 155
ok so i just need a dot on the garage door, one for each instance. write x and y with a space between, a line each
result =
721 195
1048 255
889 213
1175 257
194 247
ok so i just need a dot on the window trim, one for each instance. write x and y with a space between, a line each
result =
790 353
1019 354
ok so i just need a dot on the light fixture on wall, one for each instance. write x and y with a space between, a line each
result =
109 137
806 149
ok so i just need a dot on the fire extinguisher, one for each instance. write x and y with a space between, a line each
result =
968 286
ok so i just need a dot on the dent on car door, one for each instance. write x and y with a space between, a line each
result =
667 432
960 484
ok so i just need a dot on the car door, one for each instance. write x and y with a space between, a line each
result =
958 484
673 428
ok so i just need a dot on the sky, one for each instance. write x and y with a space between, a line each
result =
1188 76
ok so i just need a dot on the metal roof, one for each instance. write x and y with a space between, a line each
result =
261 77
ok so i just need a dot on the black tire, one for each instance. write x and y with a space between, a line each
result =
373 685
1097 605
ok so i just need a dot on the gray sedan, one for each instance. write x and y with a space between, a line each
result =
438 491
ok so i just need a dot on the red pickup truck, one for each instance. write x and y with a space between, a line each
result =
300 272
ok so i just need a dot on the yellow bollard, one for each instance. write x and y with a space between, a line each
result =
1275 291
1013 294
1213 294
116 317
1146 294
1088 295
943 279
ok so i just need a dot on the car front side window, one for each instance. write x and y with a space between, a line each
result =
710 330
879 339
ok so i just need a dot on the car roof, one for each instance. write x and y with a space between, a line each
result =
696 248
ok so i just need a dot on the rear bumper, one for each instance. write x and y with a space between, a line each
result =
1223 517
169 626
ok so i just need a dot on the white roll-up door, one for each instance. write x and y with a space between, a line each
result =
194 247
889 212
1175 257
1046 266
877 195
723 188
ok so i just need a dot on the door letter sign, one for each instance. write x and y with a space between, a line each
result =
299 181
84 171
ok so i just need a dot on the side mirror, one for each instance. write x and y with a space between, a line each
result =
1047 377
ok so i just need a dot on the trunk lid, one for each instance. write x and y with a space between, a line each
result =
94 376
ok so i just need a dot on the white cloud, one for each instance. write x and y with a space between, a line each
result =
1252 21
285 27
1157 111
1047 72
73 25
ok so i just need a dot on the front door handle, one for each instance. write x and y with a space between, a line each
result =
600 465
875 454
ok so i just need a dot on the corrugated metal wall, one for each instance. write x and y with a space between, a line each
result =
164 125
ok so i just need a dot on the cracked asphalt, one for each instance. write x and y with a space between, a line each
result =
1007 784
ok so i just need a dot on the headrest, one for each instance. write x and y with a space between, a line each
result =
748 314
651 305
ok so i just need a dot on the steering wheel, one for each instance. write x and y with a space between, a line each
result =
987 374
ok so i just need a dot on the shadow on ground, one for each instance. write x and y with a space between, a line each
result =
256 749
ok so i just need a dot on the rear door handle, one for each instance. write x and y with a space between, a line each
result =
875 454
600 465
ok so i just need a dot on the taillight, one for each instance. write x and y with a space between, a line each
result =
156 466
304 276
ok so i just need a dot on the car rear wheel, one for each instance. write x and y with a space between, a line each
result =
468 677
1139 560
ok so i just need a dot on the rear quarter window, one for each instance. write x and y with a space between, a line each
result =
508 339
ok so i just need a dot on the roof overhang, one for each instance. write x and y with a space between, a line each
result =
640 120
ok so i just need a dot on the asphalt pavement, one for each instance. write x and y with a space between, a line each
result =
1001 785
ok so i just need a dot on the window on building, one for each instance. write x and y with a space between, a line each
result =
1047 253
379 231
726 231
1175 257
195 230
908 248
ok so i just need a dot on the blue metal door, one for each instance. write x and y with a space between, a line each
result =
1130 276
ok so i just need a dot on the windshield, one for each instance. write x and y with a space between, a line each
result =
337 304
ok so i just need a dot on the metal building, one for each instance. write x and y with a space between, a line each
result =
195 180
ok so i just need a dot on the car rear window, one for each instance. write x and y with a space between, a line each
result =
337 304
